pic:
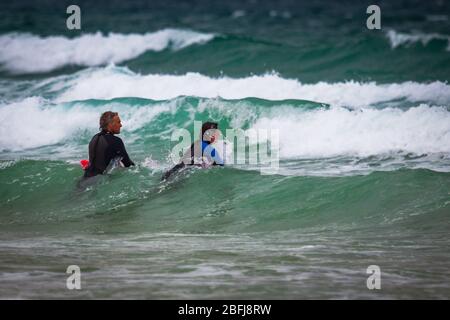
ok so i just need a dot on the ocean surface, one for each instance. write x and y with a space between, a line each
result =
364 150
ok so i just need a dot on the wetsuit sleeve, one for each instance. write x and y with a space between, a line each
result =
217 159
210 151
92 146
123 153
91 170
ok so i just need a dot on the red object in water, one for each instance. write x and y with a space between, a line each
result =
84 164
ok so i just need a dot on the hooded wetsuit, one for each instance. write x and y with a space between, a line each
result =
103 148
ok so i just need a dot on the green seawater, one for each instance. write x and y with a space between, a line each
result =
206 234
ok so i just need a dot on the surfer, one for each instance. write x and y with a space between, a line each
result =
105 149
201 153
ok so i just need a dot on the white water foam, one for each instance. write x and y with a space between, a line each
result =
317 133
112 82
28 53
34 122
338 131
399 39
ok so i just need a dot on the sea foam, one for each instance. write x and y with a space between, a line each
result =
28 53
112 82
339 131
397 39
35 122
304 133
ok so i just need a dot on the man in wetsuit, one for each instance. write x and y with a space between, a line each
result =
201 152
105 147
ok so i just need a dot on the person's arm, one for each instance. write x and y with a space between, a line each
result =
93 167
123 153
217 158
91 149
211 152
188 156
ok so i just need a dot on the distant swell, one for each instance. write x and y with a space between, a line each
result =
28 53
404 39
114 82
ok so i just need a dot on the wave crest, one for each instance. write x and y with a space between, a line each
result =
398 39
305 131
115 82
28 53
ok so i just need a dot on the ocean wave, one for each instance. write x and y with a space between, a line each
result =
338 131
36 122
113 82
28 53
397 39
49 182
305 131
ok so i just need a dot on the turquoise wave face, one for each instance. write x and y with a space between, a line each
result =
43 196
366 57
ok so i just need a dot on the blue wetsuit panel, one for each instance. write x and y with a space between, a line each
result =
212 153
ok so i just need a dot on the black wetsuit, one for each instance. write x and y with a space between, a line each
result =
103 148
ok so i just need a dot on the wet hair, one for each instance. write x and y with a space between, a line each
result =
106 119
209 125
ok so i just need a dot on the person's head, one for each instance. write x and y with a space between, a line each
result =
110 122
210 132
